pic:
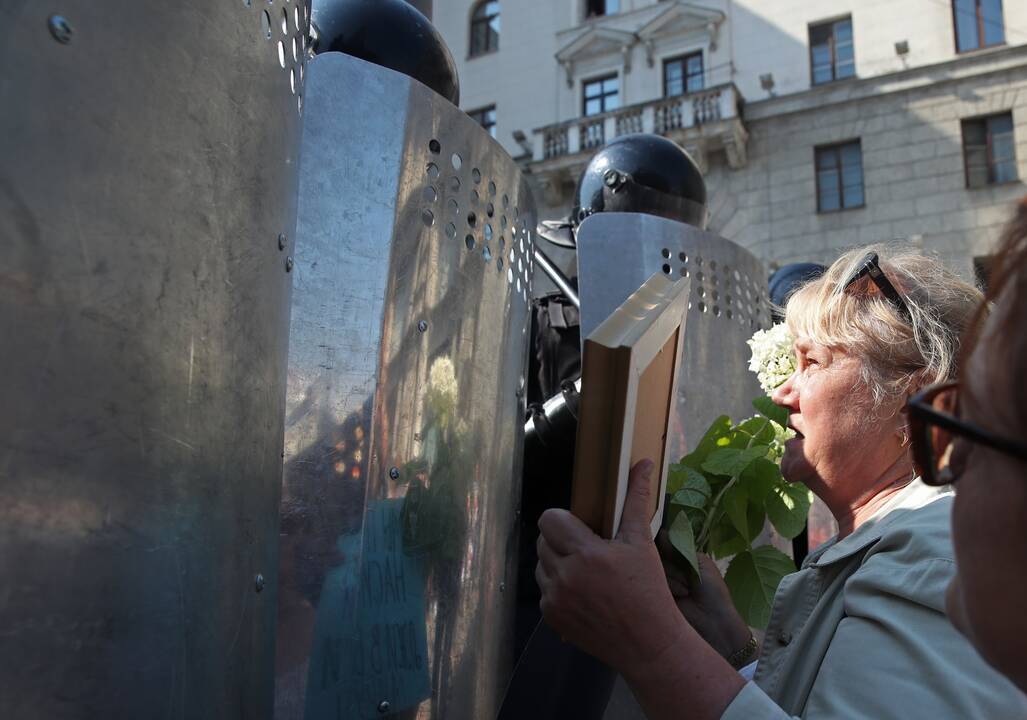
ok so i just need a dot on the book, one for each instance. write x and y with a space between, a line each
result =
628 384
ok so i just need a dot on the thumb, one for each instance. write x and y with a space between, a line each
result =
636 516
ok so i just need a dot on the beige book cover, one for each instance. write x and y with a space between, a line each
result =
628 384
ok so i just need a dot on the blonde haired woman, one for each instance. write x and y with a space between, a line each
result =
860 631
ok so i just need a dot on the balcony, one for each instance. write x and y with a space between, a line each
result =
701 122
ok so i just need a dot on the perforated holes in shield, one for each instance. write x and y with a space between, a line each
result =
465 181
289 46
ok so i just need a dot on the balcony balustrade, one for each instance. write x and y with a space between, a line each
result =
707 119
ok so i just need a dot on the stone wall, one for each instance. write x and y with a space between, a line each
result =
914 180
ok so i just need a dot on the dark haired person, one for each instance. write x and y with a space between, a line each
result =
974 434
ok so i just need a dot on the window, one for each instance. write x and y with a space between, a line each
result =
988 150
831 55
682 74
485 28
486 117
839 176
978 24
596 8
600 95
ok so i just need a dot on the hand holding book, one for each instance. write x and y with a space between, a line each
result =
587 582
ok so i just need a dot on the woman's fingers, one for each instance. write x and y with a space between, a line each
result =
547 558
677 581
563 532
541 578
637 515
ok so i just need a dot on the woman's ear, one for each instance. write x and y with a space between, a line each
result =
903 432
901 417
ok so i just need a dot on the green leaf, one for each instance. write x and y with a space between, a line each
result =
759 429
694 492
760 478
732 461
735 504
718 431
752 579
724 540
768 409
683 540
670 512
697 517
757 519
788 507
680 477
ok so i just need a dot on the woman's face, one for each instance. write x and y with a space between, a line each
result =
830 408
987 597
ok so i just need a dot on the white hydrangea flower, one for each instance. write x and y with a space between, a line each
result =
772 358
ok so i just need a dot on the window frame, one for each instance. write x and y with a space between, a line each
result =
588 15
836 147
478 113
834 50
988 145
683 59
979 26
485 20
602 97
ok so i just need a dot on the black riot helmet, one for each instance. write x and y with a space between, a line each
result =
789 278
390 33
638 173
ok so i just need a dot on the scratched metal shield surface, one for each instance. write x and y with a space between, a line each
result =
406 369
617 252
147 171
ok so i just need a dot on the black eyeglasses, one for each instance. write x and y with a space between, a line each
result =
870 265
934 420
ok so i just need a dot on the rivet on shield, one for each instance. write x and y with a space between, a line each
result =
422 326
60 28
282 241
383 707
258 582
394 473
288 264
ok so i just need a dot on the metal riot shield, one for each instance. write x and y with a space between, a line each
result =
407 356
148 185
617 252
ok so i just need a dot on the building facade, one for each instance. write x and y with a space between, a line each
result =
818 125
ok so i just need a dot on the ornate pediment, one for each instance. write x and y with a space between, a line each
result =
596 42
619 33
680 18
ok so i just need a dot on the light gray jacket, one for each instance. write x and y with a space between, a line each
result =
860 631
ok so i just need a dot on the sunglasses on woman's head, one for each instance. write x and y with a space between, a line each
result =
934 421
870 266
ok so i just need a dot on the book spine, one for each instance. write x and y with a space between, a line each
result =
587 501
617 382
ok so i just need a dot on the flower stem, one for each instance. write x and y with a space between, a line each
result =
701 541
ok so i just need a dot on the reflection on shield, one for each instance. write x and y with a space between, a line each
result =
407 354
